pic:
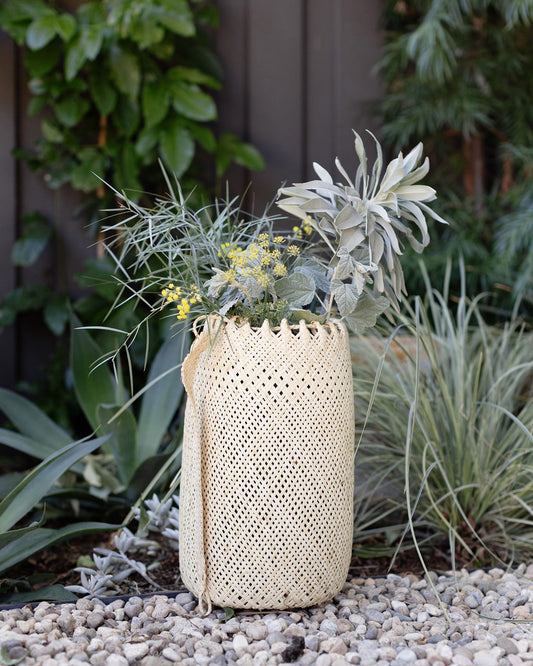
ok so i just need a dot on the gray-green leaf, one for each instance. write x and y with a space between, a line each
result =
297 289
366 313
346 296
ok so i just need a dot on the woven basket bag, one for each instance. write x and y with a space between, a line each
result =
266 499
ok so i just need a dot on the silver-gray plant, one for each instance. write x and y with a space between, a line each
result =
362 223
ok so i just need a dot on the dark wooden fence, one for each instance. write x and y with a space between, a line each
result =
299 75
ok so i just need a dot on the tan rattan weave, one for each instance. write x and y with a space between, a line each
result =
266 500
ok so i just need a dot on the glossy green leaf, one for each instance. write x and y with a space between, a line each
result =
122 441
161 401
32 489
177 148
203 135
93 386
127 170
146 141
85 175
36 105
28 248
103 93
247 156
40 538
75 59
91 40
177 17
43 61
70 110
51 132
41 31
125 72
126 117
192 75
146 33
155 102
66 26
32 422
57 313
232 149
191 102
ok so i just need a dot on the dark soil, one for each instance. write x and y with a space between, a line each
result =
55 566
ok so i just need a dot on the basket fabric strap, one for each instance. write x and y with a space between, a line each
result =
188 373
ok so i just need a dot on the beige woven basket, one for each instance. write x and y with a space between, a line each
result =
266 500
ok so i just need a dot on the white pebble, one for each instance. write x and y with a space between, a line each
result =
240 644
116 660
407 655
133 651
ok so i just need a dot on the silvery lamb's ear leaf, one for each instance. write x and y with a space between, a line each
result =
348 217
413 157
376 246
416 215
431 213
293 209
379 280
391 234
346 296
295 191
318 205
417 174
378 166
379 211
351 238
326 225
366 312
322 173
416 192
361 154
319 185
297 289
393 175
343 172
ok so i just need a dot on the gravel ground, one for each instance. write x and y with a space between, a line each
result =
483 618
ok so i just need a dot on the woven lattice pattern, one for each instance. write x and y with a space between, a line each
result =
266 504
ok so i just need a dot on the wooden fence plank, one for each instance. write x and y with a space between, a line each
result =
231 43
276 92
8 224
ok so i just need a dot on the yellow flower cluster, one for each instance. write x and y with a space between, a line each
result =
173 294
262 260
305 228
